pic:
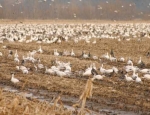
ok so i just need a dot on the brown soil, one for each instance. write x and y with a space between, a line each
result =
109 93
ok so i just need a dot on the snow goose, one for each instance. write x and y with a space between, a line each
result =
128 79
60 73
16 60
105 56
56 53
26 71
49 71
84 55
102 70
129 62
95 74
115 69
13 79
138 79
144 71
139 62
146 76
72 53
121 59
87 71
112 59
134 75
40 66
40 50
16 54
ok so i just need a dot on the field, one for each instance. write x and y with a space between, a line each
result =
111 95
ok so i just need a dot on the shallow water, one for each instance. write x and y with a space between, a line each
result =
44 95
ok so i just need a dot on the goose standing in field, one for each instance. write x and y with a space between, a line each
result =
56 53
128 79
95 74
129 62
40 66
13 79
40 50
102 70
16 60
121 59
10 53
85 55
105 56
112 59
115 69
16 54
87 71
140 60
146 76
141 64
72 53
135 75
144 71
138 79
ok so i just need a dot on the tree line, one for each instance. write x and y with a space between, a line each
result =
72 9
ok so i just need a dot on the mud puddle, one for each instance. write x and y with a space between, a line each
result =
68 101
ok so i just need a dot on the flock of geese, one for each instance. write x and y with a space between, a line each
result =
63 69
58 33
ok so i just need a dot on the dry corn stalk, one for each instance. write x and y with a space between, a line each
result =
14 104
55 103
87 93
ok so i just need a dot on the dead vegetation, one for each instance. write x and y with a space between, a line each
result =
12 104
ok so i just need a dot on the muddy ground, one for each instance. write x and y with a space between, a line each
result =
110 96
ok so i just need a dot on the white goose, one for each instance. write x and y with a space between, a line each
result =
129 62
138 79
88 71
72 53
16 60
122 59
40 50
146 76
102 70
13 79
56 53
106 56
128 79
144 71
49 71
60 73
98 77
112 59
140 60
16 54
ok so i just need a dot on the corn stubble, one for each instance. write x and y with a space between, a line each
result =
11 104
